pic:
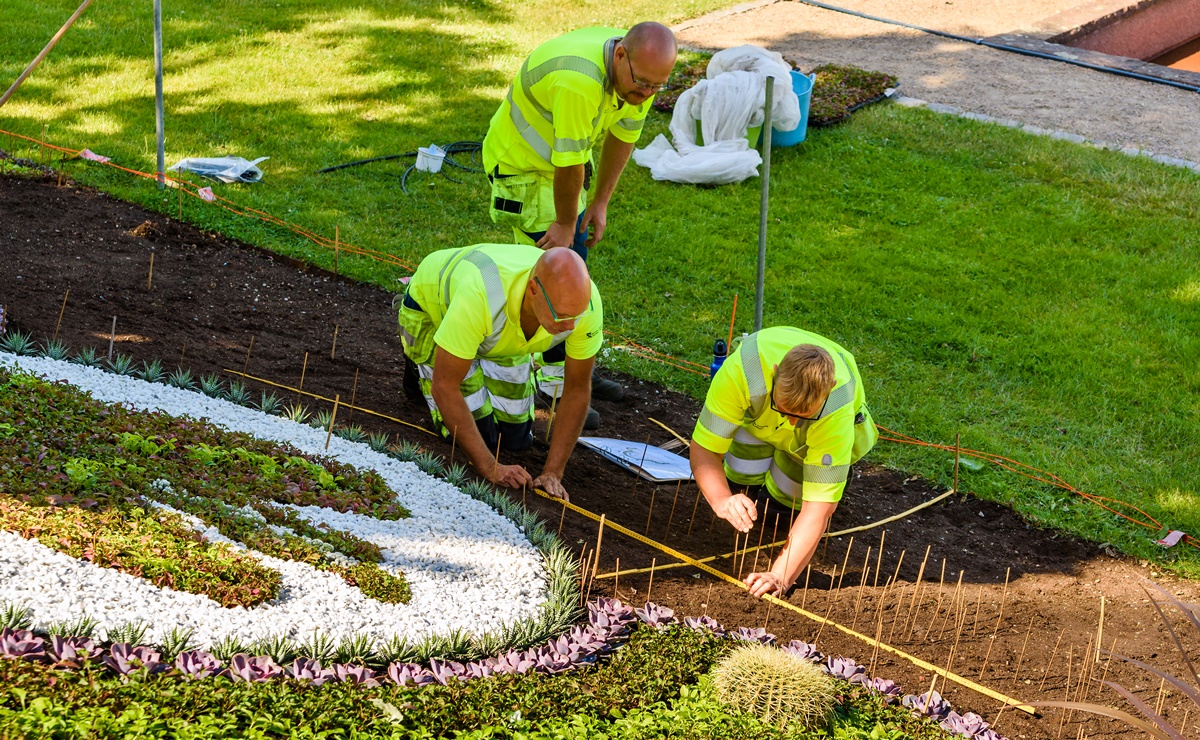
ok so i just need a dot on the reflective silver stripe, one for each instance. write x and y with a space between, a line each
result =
568 63
786 485
516 374
407 336
841 395
561 337
496 298
444 276
512 406
539 145
717 425
572 145
630 124
823 474
425 371
554 371
474 401
747 467
753 370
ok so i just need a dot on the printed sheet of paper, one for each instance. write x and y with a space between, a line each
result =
652 463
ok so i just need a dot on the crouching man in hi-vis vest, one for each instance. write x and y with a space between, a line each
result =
786 411
469 322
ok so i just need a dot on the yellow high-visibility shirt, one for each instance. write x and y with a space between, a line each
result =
560 105
739 398
473 296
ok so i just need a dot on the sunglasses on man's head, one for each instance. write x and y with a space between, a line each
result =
797 417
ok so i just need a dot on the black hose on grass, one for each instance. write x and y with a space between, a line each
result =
1005 47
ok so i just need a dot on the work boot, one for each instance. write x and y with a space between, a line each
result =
592 420
606 390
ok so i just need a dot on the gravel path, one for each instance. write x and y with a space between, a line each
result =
1050 95
469 568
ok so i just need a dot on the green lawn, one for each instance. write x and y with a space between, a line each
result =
1041 298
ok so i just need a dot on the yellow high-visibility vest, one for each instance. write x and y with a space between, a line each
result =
739 399
560 105
473 296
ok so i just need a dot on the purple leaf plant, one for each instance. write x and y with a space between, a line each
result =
21 645
610 623
124 659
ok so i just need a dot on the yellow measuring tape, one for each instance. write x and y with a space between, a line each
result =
756 548
343 404
924 665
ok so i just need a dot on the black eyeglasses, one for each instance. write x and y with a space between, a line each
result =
550 306
641 84
797 417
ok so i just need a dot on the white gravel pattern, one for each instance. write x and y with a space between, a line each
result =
469 568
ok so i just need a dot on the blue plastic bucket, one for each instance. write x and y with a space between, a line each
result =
802 84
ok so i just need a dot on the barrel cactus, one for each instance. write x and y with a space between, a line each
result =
778 687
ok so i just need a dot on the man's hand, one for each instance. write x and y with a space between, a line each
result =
595 216
761 584
552 484
558 235
510 476
739 511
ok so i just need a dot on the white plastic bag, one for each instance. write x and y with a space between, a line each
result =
727 105
225 169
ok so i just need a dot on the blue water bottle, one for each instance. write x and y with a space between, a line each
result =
719 351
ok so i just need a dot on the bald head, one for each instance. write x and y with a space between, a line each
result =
652 42
564 276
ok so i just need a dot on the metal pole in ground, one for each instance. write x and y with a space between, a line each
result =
762 208
158 91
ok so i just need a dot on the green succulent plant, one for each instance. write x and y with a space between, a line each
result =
279 648
15 616
318 647
406 451
775 685
178 640
122 365
182 378
238 393
212 386
321 419
355 649
270 403
378 441
431 463
82 626
457 475
353 433
55 350
295 412
152 372
87 357
226 648
18 343
131 633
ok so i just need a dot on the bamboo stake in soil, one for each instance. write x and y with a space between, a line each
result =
695 508
303 371
879 559
354 395
954 605
862 586
1020 660
616 578
650 513
1053 653
61 311
599 541
650 585
1100 629
758 550
550 421
150 276
246 364
845 560
996 629
583 570
1067 695
333 347
938 607
332 418
804 595
908 618
112 337
671 517
638 476
824 622
562 517
900 600
957 635
708 597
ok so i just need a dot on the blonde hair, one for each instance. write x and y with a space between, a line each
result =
804 378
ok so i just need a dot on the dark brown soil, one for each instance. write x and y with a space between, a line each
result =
211 295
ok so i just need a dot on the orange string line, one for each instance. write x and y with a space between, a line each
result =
640 350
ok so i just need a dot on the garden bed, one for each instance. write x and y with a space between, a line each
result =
211 295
